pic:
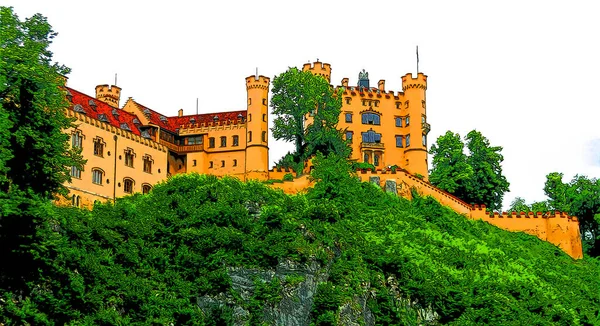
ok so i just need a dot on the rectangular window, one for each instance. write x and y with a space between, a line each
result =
222 164
424 140
147 164
195 140
129 158
398 122
236 140
347 100
210 165
371 119
99 147
211 142
223 141
97 177
234 162
128 186
349 135
407 140
75 172
194 163
348 117
76 140
398 141
249 136
407 121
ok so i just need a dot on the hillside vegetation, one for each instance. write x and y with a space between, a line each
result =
167 258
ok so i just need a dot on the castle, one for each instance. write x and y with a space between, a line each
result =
130 149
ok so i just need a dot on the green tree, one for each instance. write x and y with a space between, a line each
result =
581 198
296 95
488 185
34 150
475 178
519 205
450 171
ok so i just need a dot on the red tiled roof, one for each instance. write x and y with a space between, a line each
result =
102 108
173 123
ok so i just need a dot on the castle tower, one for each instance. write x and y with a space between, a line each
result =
416 152
110 95
257 137
319 68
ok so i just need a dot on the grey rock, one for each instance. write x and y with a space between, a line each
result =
390 186
375 180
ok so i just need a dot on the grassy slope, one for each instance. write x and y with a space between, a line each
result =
147 259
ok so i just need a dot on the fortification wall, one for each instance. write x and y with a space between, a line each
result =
295 186
557 228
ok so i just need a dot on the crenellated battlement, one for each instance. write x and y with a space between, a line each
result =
195 129
262 82
550 214
110 95
371 92
409 82
318 68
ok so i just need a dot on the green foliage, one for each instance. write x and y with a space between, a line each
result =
150 259
288 177
296 95
581 198
475 178
34 151
362 166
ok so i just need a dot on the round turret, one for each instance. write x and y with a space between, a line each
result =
110 95
319 68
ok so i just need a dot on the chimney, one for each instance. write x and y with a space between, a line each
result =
345 82
180 112
381 85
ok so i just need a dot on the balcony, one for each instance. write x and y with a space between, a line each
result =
426 127
182 148
364 145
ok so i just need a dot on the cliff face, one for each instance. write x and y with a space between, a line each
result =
291 302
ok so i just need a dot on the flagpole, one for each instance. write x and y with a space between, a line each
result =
417 59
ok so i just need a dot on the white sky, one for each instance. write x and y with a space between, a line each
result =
524 73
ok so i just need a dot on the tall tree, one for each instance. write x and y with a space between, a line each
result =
298 94
581 198
34 150
488 184
519 205
450 170
475 178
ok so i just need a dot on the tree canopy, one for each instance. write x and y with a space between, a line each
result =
297 95
475 178
580 197
34 150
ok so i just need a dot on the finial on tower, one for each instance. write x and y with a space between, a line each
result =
256 75
115 79
417 59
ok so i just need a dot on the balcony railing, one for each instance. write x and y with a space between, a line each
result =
372 145
182 148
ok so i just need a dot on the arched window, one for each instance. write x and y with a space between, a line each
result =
236 140
76 201
366 158
370 118
424 140
128 185
376 160
249 136
264 136
97 175
146 188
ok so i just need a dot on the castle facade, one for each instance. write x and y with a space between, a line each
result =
130 149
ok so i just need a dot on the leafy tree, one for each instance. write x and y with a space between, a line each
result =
450 171
519 205
581 198
488 185
296 95
34 150
475 178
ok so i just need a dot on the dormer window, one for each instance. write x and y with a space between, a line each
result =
147 112
78 108
136 121
240 117
163 119
115 113
215 119
92 104
192 120
69 96
102 117
125 126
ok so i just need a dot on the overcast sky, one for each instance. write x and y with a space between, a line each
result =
524 73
